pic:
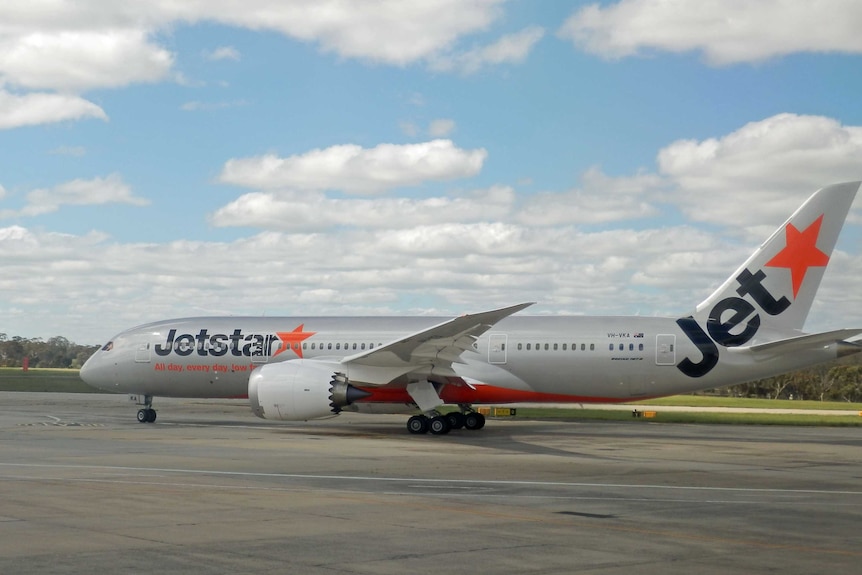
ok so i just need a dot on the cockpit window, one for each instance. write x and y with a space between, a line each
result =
108 346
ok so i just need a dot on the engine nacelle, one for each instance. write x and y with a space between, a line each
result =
299 390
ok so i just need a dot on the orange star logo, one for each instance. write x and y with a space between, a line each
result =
800 253
293 339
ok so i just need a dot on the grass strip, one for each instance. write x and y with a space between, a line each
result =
45 380
748 402
691 417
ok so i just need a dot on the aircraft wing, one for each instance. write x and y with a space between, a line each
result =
433 349
802 342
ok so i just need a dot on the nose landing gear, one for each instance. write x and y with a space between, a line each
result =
146 414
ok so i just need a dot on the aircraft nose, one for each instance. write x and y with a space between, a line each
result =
87 371
94 373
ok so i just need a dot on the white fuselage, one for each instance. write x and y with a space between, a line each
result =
584 358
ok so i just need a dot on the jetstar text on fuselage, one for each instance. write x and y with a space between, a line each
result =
237 344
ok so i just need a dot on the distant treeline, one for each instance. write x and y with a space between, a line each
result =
55 352
839 380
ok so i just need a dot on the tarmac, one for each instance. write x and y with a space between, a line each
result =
211 489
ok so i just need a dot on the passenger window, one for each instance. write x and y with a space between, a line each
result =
363 346
584 346
546 347
538 346
354 346
631 347
528 347
592 347
337 346
503 347
520 346
555 347
564 347
640 347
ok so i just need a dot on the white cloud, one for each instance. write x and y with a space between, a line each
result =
223 53
600 199
74 47
95 191
197 106
387 31
94 44
39 108
726 31
441 127
353 169
509 49
328 254
308 211
78 60
471 266
409 129
74 151
753 174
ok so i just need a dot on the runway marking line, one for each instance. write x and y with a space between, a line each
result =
375 497
514 482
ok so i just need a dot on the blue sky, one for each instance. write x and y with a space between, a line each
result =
435 157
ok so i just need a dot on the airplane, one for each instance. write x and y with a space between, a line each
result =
306 368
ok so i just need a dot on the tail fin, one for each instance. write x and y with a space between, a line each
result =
783 275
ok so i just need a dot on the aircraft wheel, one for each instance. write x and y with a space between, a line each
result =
417 424
439 425
474 421
456 419
146 415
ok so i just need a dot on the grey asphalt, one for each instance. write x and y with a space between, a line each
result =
209 488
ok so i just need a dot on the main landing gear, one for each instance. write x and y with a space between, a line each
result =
438 424
426 398
147 414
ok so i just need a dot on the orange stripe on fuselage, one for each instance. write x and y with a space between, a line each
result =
482 394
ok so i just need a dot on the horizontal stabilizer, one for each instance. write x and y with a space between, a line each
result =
801 343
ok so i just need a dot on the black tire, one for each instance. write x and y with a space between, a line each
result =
417 425
474 421
439 425
143 416
151 418
456 419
